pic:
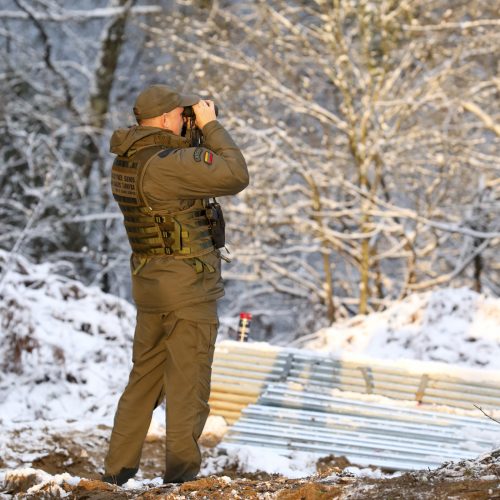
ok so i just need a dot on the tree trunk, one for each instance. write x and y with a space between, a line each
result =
325 252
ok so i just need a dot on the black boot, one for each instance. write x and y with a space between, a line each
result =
121 478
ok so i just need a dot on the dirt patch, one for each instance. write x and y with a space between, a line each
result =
77 453
331 464
405 487
422 488
97 490
16 483
205 484
75 462
232 471
82 454
310 491
153 459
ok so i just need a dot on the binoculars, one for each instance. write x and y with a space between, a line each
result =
189 112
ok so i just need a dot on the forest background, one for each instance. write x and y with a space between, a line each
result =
371 130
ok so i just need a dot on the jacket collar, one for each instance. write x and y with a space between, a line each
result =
128 141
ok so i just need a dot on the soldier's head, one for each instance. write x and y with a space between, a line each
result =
161 106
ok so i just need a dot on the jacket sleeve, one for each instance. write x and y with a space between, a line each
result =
217 169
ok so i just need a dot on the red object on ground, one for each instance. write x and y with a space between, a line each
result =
244 326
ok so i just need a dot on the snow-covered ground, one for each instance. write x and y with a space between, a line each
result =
65 348
65 357
456 326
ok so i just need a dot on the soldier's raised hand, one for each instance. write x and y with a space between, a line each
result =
205 113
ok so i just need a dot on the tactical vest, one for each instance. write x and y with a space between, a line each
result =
182 234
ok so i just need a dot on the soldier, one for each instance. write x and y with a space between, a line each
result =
163 186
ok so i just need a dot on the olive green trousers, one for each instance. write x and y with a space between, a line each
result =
172 358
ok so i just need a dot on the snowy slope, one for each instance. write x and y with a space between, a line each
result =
456 326
65 348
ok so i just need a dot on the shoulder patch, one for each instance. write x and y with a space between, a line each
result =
197 154
166 152
208 157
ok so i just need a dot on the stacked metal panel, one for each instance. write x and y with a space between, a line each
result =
292 417
436 387
241 372
291 399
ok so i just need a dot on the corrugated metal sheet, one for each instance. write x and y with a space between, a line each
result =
287 417
287 401
241 372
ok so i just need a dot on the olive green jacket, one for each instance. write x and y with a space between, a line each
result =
177 175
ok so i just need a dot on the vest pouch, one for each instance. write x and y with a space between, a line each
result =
217 224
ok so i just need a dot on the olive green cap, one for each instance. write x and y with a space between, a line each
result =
159 99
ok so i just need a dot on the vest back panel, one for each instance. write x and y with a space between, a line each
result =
181 234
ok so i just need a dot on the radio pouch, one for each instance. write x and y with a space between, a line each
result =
216 223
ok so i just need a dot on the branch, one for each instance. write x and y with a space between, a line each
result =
485 414
485 118
34 217
79 15
48 54
410 214
448 277
453 26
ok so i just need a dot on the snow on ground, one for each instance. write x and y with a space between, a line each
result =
456 326
65 357
294 464
65 350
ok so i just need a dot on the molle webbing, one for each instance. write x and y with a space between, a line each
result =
185 233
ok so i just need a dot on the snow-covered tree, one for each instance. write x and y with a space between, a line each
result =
370 127
371 135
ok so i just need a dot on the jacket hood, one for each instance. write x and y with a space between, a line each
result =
124 138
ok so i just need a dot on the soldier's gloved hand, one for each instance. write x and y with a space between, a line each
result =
205 113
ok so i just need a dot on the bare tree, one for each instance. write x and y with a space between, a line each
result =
55 190
370 127
371 134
